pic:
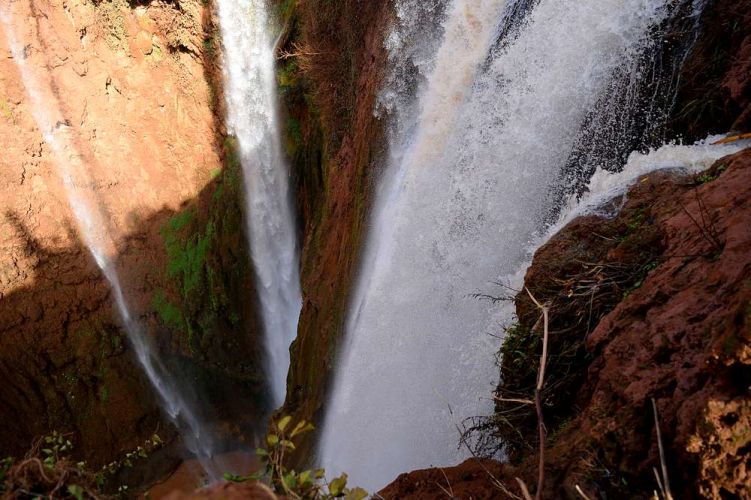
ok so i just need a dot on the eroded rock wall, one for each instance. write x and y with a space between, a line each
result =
139 91
332 59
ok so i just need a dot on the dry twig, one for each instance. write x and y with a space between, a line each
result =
538 395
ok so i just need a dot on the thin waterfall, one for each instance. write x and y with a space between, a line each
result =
72 171
465 198
250 93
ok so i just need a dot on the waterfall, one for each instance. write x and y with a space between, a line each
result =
250 93
469 185
92 224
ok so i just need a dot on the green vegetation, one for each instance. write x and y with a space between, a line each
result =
206 264
307 485
189 269
48 471
710 175
170 314
209 46
286 8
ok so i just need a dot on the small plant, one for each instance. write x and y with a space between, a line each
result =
127 461
5 465
47 471
56 447
305 485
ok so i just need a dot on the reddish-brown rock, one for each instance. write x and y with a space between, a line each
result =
475 479
229 491
137 102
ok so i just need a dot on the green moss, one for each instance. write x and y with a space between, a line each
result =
187 255
170 314
287 8
218 193
293 137
209 46
104 395
710 175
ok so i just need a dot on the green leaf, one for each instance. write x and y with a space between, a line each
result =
283 423
305 478
319 473
356 494
261 452
288 444
336 486
290 479
233 478
272 439
302 427
76 491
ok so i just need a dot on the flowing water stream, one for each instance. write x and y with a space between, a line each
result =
477 158
250 92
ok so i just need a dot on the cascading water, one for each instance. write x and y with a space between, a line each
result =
93 227
605 186
252 117
464 196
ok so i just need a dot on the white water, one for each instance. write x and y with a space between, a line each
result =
92 224
250 87
459 207
605 186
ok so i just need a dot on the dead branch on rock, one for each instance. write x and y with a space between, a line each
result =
663 481
538 395
705 223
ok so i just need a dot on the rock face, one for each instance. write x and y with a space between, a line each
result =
328 85
679 336
714 94
137 90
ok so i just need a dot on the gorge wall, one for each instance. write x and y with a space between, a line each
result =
329 75
139 87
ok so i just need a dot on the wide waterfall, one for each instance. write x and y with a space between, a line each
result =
477 157
250 92
72 170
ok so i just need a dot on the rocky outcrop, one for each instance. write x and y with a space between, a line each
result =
714 89
139 92
679 335
333 56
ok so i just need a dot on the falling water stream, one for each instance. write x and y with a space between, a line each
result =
92 224
466 193
250 92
